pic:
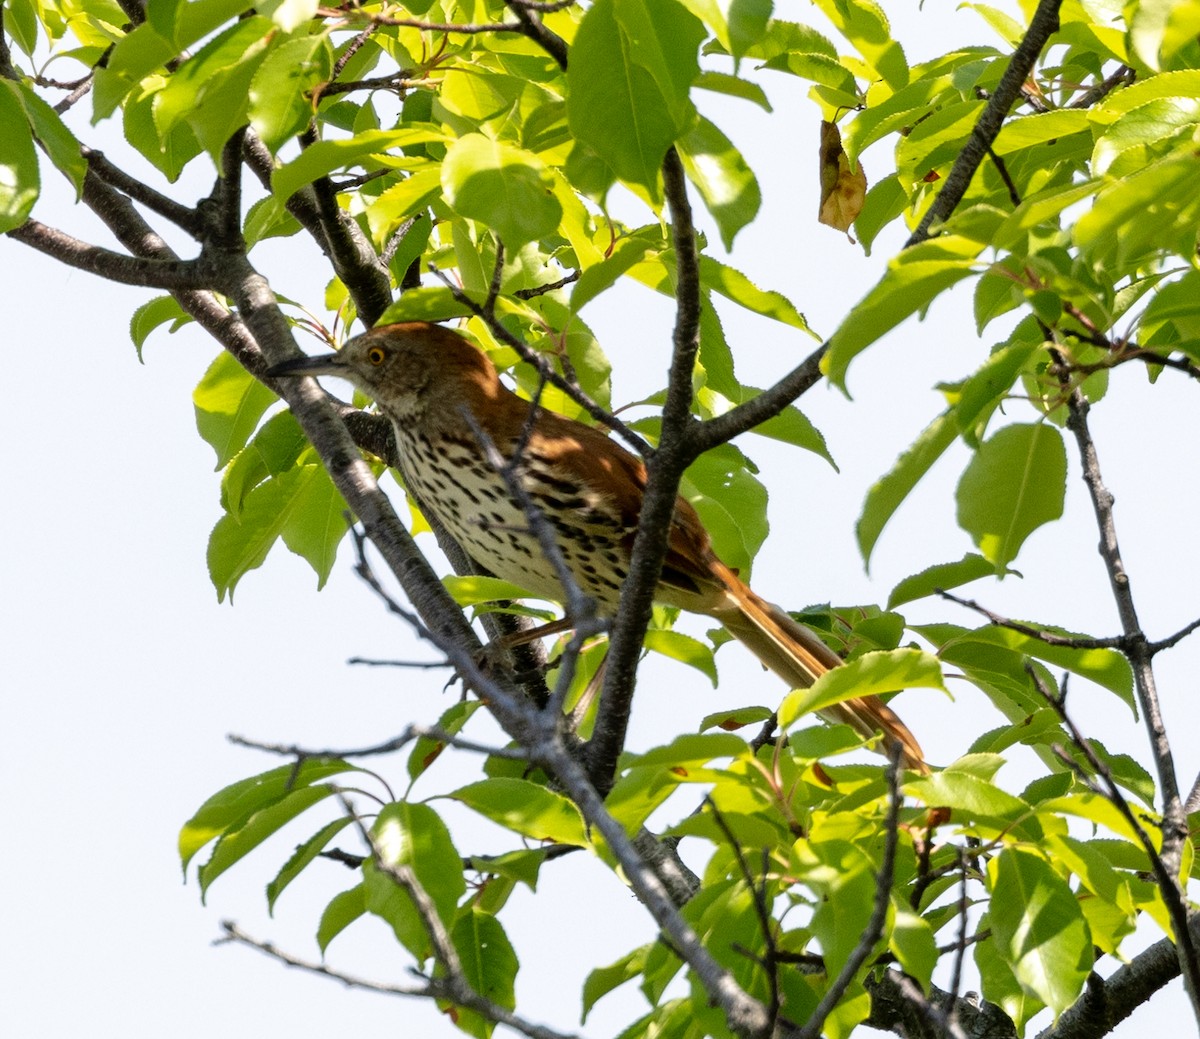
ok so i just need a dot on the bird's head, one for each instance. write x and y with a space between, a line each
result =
406 368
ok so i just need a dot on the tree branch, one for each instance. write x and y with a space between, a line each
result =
1138 651
1042 26
169 274
664 471
354 258
182 216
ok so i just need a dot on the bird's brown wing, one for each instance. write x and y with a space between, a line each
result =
694 579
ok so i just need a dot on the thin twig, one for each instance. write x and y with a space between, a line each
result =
1165 874
411 734
883 896
1050 638
770 961
1172 640
554 286
182 216
233 933
415 665
1122 77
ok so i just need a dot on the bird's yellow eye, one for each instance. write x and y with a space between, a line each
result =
376 355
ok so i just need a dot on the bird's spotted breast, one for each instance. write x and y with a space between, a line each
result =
473 502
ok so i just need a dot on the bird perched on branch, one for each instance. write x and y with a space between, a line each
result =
441 393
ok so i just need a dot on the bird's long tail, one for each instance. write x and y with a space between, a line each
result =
799 657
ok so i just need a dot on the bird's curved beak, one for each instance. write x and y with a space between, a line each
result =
323 364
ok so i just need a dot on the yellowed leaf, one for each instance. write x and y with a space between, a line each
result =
842 189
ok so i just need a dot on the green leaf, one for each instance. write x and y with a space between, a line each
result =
60 143
735 286
942 576
1000 985
403 200
984 390
733 86
326 156
210 90
691 749
1015 483
1039 928
791 426
503 187
170 29
826 71
886 200
275 449
427 303
1003 651
21 23
280 105
169 153
725 182
685 649
343 909
629 251
302 856
1143 214
722 486
737 24
525 808
913 942
489 965
865 25
737 718
159 311
523 865
288 14
473 589
1030 130
426 750
20 183
230 808
317 521
890 490
872 673
229 402
843 876
387 899
934 142
235 844
1145 134
913 280
1159 29
273 509
632 64
603 980
966 791
414 835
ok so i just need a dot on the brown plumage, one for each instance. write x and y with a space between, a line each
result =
425 378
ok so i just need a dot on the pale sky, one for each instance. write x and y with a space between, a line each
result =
122 675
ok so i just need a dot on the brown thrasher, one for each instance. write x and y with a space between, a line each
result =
426 379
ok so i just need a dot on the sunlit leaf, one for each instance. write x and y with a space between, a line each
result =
632 64
1015 483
